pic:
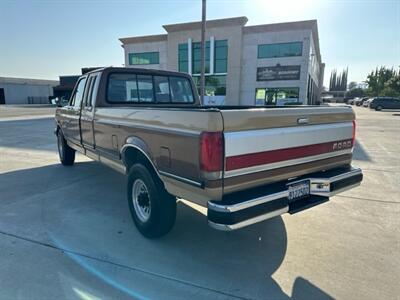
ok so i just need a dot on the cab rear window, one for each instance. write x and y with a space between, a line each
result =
141 88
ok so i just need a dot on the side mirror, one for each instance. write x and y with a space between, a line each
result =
58 102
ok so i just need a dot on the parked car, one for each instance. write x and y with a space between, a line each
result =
60 101
360 101
347 99
351 101
380 103
367 102
245 164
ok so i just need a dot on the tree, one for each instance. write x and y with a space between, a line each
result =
338 82
383 82
352 85
392 86
356 92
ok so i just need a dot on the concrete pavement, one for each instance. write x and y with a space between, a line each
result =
66 232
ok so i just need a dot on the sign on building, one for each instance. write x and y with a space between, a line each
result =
278 73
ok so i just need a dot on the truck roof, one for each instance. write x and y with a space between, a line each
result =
141 70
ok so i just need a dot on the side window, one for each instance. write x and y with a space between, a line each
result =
78 95
93 92
181 90
161 89
87 90
145 88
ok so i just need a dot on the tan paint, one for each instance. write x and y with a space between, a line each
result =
261 118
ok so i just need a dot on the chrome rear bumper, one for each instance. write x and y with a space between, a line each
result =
250 207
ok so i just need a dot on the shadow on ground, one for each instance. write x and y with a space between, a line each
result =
83 210
359 153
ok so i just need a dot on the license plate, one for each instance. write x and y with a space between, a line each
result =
299 190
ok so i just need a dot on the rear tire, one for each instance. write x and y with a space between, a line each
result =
379 107
65 152
152 208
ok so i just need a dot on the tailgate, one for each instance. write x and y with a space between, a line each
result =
265 145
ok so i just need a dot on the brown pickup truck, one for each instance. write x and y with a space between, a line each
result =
245 164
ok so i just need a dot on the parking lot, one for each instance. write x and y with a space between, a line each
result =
66 232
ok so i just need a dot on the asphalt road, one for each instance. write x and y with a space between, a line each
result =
66 233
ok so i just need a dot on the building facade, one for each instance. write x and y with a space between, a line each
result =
25 91
273 64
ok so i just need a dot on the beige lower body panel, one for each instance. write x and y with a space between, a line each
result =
113 164
198 195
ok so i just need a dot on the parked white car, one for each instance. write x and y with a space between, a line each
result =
352 101
366 103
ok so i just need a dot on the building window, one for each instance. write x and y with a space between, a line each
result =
277 96
196 57
312 90
221 56
146 58
280 50
214 85
215 89
183 58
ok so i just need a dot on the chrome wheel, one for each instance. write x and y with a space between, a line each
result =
141 200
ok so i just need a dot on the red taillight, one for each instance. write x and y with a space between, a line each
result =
353 137
211 151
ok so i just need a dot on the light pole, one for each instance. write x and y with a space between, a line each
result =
202 54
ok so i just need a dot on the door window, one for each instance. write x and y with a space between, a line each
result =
78 94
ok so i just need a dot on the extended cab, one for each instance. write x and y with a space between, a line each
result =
245 164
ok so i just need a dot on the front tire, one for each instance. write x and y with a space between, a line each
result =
379 107
152 208
65 152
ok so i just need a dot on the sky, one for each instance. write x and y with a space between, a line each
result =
45 39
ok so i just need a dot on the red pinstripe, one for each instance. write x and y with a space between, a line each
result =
272 156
